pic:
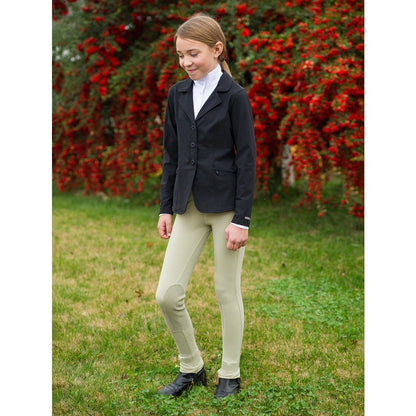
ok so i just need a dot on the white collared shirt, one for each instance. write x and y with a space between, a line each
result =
204 87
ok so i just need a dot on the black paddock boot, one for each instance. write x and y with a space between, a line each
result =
184 382
227 387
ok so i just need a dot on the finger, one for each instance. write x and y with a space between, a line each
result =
167 231
163 231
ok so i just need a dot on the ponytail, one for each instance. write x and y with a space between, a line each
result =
225 67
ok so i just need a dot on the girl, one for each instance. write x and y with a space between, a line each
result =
208 180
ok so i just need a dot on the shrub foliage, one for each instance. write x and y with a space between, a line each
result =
301 62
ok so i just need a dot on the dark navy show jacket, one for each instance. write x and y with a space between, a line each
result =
212 155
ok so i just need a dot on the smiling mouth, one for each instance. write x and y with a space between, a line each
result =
191 72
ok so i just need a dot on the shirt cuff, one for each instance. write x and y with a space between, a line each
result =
240 226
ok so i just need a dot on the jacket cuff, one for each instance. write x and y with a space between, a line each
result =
244 221
164 209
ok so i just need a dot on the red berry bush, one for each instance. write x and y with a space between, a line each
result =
301 62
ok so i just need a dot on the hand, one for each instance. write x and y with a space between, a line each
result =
165 225
236 237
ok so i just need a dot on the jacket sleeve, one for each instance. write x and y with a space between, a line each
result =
170 157
245 148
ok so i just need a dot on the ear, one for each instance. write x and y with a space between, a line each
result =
218 48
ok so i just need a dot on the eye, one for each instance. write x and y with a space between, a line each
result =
194 54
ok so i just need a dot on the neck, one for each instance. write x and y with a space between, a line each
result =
211 76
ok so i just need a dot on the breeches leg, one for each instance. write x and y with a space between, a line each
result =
189 235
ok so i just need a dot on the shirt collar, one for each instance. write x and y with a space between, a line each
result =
211 78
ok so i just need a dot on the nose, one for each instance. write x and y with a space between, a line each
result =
187 61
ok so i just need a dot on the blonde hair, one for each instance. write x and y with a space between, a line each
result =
205 29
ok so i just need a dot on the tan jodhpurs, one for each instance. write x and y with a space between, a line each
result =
189 234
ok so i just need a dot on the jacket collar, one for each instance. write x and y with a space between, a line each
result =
186 99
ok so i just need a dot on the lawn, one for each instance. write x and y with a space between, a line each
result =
303 292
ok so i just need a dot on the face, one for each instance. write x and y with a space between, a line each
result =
197 58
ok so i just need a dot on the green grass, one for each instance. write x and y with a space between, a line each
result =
303 292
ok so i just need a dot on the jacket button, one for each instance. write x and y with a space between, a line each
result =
192 162
193 144
193 127
217 172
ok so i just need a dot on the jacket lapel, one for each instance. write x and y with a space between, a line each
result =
224 84
186 98
212 102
